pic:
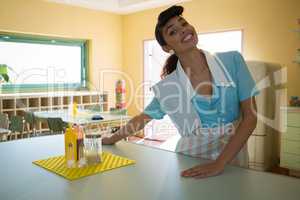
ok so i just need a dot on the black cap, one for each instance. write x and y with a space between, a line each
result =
163 19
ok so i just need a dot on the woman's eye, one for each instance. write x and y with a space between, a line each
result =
184 23
172 32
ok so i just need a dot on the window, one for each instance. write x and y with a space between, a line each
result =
42 62
154 61
221 41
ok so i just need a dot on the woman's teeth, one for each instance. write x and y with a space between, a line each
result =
188 37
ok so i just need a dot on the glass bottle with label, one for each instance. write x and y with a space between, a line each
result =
70 147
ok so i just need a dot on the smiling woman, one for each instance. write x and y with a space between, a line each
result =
41 62
210 98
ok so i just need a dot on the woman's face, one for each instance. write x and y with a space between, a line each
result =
179 35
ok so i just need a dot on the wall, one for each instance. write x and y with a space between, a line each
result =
103 30
116 42
267 26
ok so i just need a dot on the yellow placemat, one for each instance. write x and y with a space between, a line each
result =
58 166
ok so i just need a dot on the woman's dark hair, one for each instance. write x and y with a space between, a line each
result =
163 18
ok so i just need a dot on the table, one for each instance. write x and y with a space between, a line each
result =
155 176
83 117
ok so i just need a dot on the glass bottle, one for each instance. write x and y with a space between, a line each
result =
92 148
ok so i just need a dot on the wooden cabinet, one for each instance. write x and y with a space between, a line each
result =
290 139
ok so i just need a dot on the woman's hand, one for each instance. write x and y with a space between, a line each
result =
137 123
206 170
108 140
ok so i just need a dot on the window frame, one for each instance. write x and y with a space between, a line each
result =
38 39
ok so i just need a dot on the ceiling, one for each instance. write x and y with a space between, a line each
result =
119 6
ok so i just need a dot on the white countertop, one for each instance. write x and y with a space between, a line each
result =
156 175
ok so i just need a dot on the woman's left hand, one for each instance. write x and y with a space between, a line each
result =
206 170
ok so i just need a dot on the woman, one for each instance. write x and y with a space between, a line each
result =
209 98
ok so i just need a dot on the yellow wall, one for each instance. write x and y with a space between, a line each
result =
117 41
104 30
267 26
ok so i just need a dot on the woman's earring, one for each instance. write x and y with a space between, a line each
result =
171 51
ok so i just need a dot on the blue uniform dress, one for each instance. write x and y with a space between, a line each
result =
224 105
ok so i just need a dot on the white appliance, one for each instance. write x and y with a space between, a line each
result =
263 144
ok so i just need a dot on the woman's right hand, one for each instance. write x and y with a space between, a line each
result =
108 140
135 124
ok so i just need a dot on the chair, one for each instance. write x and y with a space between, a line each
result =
30 123
16 126
4 125
4 121
56 125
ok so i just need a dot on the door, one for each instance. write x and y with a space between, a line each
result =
154 59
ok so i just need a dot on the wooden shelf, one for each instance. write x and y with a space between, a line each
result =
45 108
95 99
56 101
56 107
18 104
33 108
8 110
33 102
103 98
45 101
21 103
86 99
8 104
77 99
66 100
21 109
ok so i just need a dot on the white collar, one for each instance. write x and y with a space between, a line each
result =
219 73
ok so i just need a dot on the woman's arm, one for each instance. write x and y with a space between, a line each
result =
243 132
134 125
237 141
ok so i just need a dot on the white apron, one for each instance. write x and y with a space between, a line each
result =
175 93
